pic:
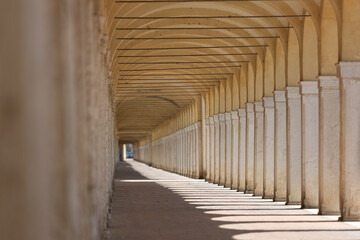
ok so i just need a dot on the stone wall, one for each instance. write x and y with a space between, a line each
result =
57 147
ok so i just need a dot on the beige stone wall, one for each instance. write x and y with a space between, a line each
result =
56 121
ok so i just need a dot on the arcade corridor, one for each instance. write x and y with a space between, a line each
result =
243 117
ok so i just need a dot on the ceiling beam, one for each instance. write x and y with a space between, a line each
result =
195 38
181 48
188 55
167 69
214 17
199 28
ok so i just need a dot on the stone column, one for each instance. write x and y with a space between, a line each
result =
269 129
207 159
222 148
242 149
235 149
280 146
212 149
228 160
349 74
250 126
329 145
310 144
293 138
217 148
259 147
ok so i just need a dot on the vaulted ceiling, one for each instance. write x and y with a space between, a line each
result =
166 53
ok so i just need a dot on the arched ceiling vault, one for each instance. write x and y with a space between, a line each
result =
166 54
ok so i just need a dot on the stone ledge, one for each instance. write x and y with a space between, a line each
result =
309 87
268 102
348 70
329 82
280 96
293 92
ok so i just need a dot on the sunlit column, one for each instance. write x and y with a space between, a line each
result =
242 149
235 149
293 138
280 146
310 144
329 145
217 148
222 151
250 125
259 147
269 128
212 149
207 150
228 159
349 74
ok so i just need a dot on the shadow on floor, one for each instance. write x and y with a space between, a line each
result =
174 210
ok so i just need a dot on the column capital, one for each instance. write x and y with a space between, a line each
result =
228 116
259 107
211 120
328 83
242 112
250 107
268 102
280 96
221 117
309 87
292 92
216 118
207 121
234 115
350 70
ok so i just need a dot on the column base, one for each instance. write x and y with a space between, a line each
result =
293 203
350 219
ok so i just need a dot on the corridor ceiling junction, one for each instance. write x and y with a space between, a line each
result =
166 54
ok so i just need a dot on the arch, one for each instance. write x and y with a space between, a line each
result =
269 75
293 63
243 87
310 60
259 80
250 84
280 66
350 50
329 47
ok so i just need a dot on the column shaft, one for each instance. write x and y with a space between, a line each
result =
235 149
269 126
212 149
222 149
250 125
329 145
259 148
280 146
310 144
217 148
242 149
293 163
228 159
349 74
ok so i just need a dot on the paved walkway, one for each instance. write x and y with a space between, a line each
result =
152 204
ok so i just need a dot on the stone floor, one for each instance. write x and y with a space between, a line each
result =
152 204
